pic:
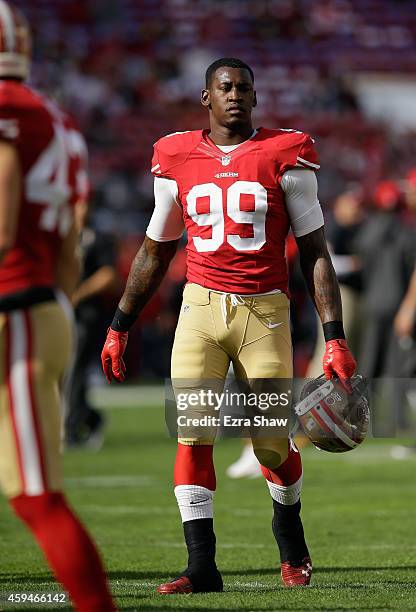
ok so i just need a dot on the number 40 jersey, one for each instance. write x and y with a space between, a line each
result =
236 204
37 129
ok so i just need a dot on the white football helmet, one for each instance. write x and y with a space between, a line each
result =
334 420
15 42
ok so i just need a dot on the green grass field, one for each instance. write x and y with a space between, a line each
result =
359 517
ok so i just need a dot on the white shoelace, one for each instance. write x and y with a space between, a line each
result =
235 300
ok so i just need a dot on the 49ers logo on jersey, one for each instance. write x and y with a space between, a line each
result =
215 217
226 175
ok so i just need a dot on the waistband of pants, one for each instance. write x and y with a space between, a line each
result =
26 298
213 293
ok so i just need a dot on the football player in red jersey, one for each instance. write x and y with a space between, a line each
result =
37 257
237 191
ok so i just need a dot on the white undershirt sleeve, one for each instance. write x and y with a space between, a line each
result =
167 220
301 194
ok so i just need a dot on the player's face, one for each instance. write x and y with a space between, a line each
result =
230 97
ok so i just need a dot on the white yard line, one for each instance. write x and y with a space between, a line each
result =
378 547
228 545
120 510
108 482
129 396
364 454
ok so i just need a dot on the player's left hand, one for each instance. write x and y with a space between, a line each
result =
112 355
338 361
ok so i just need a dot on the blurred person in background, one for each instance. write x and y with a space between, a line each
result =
405 331
247 465
386 248
37 257
410 198
84 425
342 226
405 319
405 337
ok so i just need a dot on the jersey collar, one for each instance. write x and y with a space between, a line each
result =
208 147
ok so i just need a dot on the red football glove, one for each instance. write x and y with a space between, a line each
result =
339 361
112 355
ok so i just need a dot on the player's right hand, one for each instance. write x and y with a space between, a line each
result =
112 355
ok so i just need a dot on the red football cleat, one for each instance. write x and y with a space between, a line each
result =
180 586
296 576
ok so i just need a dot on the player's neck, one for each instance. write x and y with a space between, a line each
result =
221 135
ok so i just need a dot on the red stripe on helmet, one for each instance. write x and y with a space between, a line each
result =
327 429
313 412
334 417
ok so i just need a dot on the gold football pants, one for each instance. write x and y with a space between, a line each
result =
214 330
35 346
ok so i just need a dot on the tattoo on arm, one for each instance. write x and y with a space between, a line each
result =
146 273
320 275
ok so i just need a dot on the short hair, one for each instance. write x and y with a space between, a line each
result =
229 62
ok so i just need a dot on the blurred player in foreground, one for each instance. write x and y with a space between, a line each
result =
37 256
236 190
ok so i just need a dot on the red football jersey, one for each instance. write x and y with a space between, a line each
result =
233 205
36 129
78 161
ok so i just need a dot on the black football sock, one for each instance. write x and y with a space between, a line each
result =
200 542
288 531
